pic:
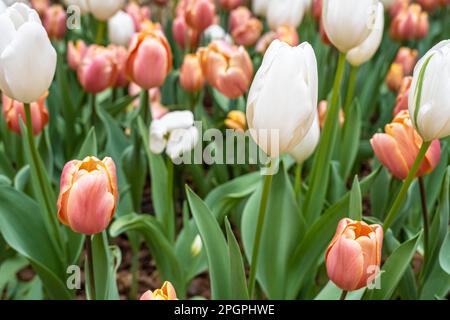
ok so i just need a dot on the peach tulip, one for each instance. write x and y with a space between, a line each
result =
398 147
236 120
98 69
138 14
410 24
227 68
150 58
55 21
354 255
13 110
88 195
167 292
286 34
40 6
402 66
184 35
401 102
230 4
121 56
244 28
75 53
191 75
200 14
398 6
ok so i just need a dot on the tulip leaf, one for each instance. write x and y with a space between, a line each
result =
215 246
89 146
350 139
331 292
444 254
379 194
355 208
23 228
393 270
9 268
160 248
238 283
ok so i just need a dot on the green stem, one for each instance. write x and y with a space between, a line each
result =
93 110
409 179
426 224
170 213
145 107
350 89
101 28
298 180
90 264
343 295
259 228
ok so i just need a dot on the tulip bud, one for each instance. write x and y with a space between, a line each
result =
244 28
398 6
167 292
120 28
191 75
104 9
149 59
184 36
397 149
41 6
354 255
175 132
138 14
98 69
236 120
302 151
394 76
216 32
430 108
196 246
55 21
200 14
407 58
402 97
348 23
227 68
410 24
285 12
323 108
27 58
120 58
2 7
230 4
288 79
366 50
88 195
13 110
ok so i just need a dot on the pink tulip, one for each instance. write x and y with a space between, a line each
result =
55 21
167 292
14 110
88 195
244 28
184 36
121 56
75 53
354 255
230 4
409 24
200 14
397 149
138 14
191 75
40 6
401 102
429 5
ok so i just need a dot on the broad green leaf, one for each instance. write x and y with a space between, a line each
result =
444 254
355 208
89 146
350 139
9 268
331 292
379 194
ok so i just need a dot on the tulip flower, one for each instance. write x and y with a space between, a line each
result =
2 7
354 255
88 195
402 66
191 75
317 9
167 292
429 5
174 132
154 99
322 109
244 28
75 53
196 246
401 102
120 28
27 58
149 59
230 4
227 68
398 147
120 58
285 12
104 9
302 151
236 120
55 21
410 24
366 50
430 108
398 6
13 110
41 6
98 69
200 14
138 14
260 7
287 79
184 36
348 23
285 34
215 33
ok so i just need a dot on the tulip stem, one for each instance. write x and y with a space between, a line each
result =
101 28
298 180
90 264
350 89
343 295
259 228
93 110
426 225
145 107
409 179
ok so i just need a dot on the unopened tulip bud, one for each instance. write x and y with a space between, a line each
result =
244 28
200 14
149 59
398 6
354 255
401 102
104 9
398 147
395 77
410 24
75 53
191 75
167 292
88 195
55 21
120 58
184 36
236 120
138 14
120 28
323 108
230 4
227 68
14 110
98 69
40 6
285 12
196 246
407 58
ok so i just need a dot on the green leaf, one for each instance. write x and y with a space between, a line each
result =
393 270
350 139
379 194
89 146
9 268
331 292
215 246
355 201
444 254
238 283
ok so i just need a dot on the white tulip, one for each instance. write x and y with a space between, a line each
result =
432 119
2 6
366 50
260 7
348 23
81 4
104 9
282 101
307 146
285 12
216 32
11 2
196 246
27 58
120 28
175 132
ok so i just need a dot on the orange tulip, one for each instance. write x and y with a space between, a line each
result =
354 255
88 195
236 120
227 68
13 110
244 28
55 21
397 149
200 14
191 75
167 292
286 34
150 58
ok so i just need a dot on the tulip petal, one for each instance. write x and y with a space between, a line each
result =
387 151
